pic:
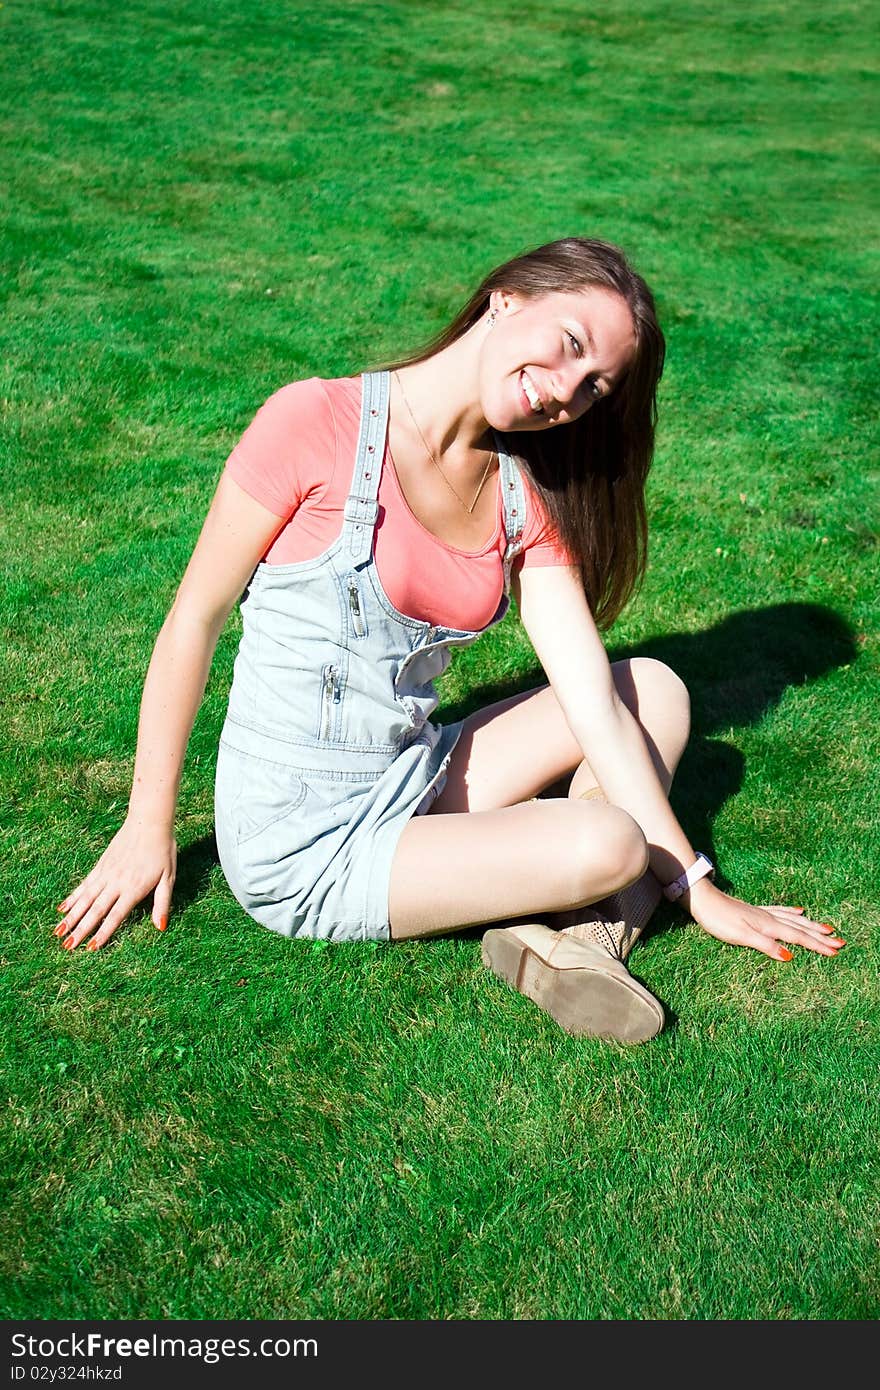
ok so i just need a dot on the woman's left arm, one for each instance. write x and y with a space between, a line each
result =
560 626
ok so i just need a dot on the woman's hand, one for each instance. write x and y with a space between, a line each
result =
762 928
140 859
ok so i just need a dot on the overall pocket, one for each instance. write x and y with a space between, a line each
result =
356 607
269 792
331 701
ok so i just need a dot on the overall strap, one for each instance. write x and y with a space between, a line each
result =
513 497
362 507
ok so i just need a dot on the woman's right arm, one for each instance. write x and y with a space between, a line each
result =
141 857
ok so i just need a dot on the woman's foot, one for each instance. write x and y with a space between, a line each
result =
574 967
580 983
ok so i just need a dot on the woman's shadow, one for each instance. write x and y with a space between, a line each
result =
736 671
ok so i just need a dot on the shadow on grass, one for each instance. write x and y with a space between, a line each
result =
195 864
736 672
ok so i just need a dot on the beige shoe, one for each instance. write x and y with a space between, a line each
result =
589 992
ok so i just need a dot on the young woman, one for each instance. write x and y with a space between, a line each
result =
375 524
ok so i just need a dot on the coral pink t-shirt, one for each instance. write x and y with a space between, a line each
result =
297 459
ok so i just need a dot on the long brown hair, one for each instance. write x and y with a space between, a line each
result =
590 475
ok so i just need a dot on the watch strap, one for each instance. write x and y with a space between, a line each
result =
701 866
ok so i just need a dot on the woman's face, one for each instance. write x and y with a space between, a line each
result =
546 360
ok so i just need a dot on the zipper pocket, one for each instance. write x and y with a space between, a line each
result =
331 694
354 604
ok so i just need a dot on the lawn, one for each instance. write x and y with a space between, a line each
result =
204 201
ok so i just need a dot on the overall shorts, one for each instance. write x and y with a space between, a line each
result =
327 749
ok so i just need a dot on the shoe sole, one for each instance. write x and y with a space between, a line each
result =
587 1001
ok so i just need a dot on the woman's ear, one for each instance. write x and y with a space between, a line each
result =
502 301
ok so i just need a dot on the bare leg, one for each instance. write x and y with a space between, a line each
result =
480 856
462 870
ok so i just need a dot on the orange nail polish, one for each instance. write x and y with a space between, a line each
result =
68 943
60 929
162 923
60 908
92 946
784 955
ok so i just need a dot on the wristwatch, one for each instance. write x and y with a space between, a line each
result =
701 866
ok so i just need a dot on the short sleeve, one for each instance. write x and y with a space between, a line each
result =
541 543
288 451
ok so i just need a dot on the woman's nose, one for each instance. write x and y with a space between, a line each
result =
569 384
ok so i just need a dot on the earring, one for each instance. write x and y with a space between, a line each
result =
490 322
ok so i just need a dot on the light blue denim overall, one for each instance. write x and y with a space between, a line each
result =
327 749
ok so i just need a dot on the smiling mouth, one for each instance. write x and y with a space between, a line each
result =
531 394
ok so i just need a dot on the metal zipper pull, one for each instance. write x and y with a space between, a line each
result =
331 695
354 603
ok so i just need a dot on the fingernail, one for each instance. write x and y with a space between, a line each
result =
827 925
68 943
60 929
92 946
797 909
835 941
162 923
60 908
783 954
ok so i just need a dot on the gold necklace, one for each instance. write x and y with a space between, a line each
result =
468 509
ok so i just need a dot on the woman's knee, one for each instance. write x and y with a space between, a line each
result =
661 702
658 684
615 853
631 850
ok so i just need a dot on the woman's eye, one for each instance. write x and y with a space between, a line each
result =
594 389
575 344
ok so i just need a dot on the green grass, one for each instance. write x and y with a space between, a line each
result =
207 200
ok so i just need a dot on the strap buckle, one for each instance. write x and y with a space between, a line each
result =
361 510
